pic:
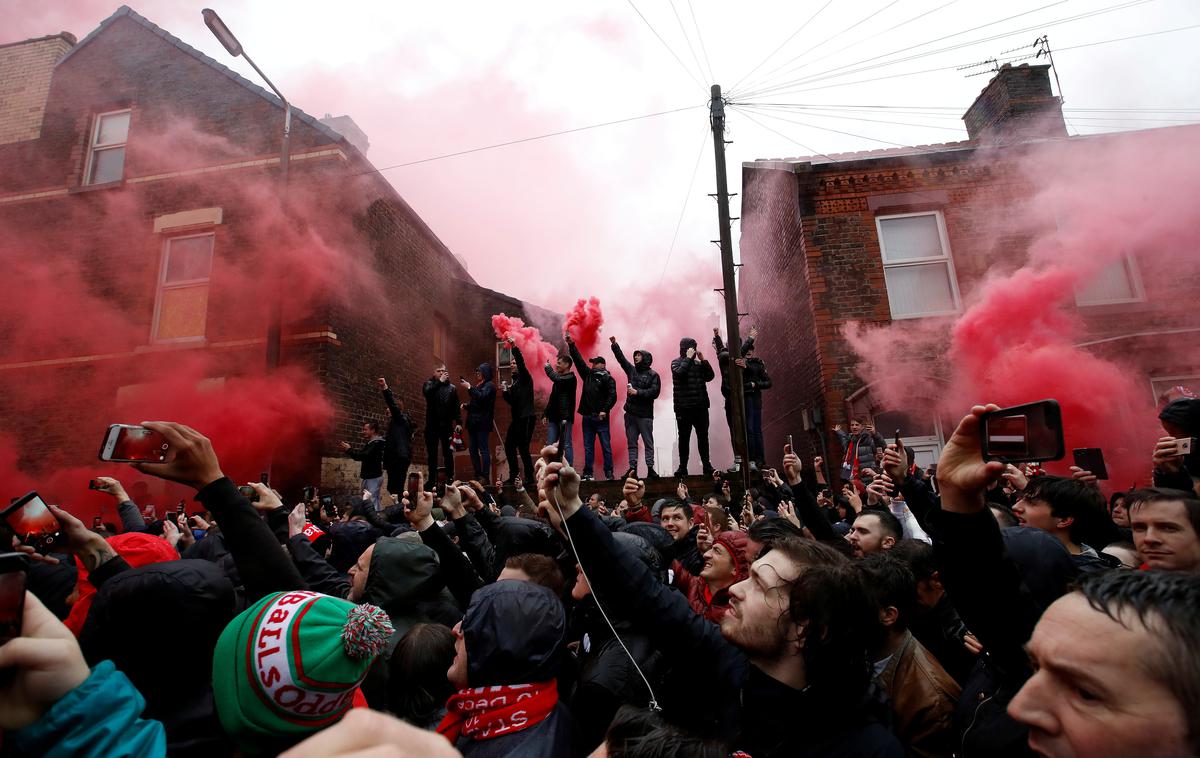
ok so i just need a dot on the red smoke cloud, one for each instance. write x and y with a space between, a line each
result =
1017 340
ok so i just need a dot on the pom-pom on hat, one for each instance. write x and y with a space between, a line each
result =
290 664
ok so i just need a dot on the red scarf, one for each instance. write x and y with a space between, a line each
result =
486 712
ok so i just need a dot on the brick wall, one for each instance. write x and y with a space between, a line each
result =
25 73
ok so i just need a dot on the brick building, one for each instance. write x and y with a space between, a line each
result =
815 240
151 172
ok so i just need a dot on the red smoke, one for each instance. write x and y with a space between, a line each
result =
1017 340
583 322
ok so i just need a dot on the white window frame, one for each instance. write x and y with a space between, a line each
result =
1135 284
946 257
93 148
1173 381
503 372
163 286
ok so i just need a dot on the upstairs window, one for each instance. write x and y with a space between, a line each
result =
440 339
1118 282
503 359
917 267
106 152
181 310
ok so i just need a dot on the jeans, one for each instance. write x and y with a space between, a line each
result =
568 454
594 426
688 419
481 457
373 485
754 435
397 475
435 440
636 426
516 442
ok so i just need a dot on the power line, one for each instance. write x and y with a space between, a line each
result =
894 27
956 67
847 69
825 112
527 139
860 118
827 40
664 44
829 129
686 38
700 37
781 45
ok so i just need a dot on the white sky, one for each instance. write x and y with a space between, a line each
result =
422 79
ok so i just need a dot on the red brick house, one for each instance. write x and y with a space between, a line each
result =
140 178
815 240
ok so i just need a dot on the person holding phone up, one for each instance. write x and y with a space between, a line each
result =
560 408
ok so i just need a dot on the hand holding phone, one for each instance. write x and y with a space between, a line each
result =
1030 432
125 443
32 522
1091 459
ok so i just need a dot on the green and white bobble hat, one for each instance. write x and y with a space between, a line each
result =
290 664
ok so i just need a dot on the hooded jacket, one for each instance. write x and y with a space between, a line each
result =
481 407
405 580
1184 413
754 376
138 549
713 605
689 379
561 405
441 405
645 383
184 604
599 388
515 633
519 394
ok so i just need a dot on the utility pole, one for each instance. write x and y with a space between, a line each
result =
737 400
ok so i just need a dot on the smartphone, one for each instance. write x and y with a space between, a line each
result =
32 522
897 439
1024 433
13 570
94 484
439 489
148 513
788 443
249 493
1091 459
1185 445
97 523
327 503
124 443
414 484
307 493
265 477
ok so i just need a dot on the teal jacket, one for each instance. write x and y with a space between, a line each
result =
98 718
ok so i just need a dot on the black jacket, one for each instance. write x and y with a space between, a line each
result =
370 457
741 704
599 388
441 405
754 376
644 380
481 407
519 394
399 432
185 606
515 633
561 405
689 378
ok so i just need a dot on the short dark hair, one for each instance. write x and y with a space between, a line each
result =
889 523
673 503
1118 495
1071 498
1003 515
919 556
372 424
1165 603
890 583
721 499
541 569
641 733
770 531
1161 495
829 599
417 684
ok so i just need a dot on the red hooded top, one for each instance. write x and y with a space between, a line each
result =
713 605
138 549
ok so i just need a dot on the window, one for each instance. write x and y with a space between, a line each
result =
917 267
181 312
440 339
503 359
106 152
1118 282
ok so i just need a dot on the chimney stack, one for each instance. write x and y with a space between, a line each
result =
25 71
1016 105
345 126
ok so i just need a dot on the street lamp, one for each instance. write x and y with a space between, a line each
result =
231 44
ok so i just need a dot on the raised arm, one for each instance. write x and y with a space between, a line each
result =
577 359
626 366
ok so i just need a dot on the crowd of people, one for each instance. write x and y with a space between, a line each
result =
981 608
579 387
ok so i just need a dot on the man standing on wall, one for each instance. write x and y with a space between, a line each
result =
598 398
441 415
397 442
690 375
